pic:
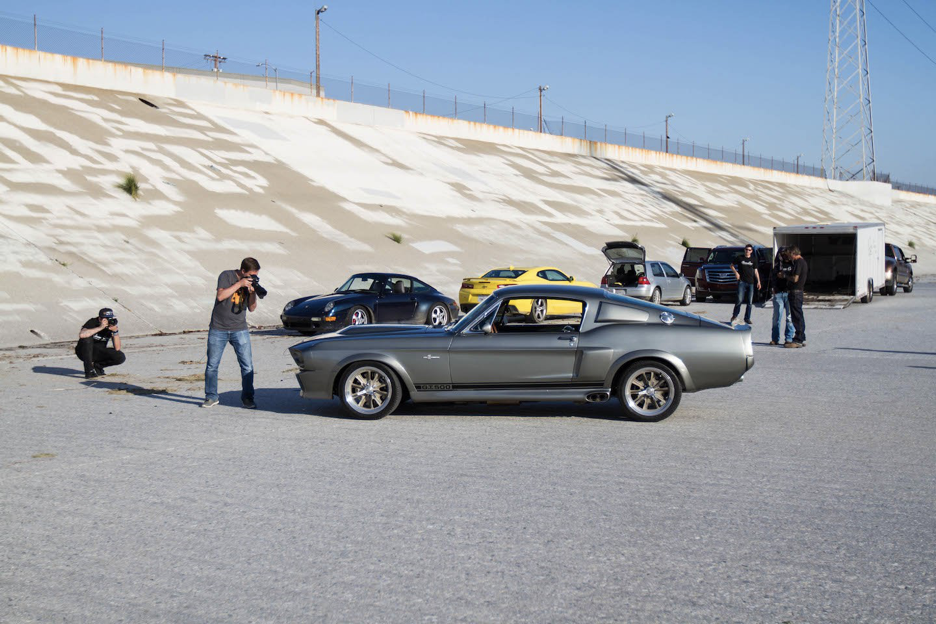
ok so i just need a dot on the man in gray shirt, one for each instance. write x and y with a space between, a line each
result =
234 297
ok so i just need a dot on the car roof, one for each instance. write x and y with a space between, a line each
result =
550 290
378 274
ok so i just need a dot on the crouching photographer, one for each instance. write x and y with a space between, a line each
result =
92 346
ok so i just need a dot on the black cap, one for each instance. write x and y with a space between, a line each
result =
106 313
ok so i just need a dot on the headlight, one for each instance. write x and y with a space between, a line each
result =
329 306
888 274
289 305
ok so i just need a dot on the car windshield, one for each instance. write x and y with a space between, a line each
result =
505 273
724 256
469 319
360 283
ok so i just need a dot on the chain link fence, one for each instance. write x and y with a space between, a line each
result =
63 39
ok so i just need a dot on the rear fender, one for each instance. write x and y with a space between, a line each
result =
383 358
650 354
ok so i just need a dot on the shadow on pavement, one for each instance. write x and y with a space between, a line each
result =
55 370
162 394
885 351
288 401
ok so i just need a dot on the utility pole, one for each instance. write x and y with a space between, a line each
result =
743 141
318 65
847 131
542 90
666 121
797 162
216 59
266 72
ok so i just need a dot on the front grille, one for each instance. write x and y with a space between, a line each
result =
720 276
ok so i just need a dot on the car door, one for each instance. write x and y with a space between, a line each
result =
527 354
659 278
673 282
397 303
903 271
692 260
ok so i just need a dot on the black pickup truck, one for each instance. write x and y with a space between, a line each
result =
897 270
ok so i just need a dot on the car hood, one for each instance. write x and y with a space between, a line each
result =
365 332
317 303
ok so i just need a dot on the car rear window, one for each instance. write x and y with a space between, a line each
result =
696 254
505 273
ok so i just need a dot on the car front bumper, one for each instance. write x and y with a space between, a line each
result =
313 324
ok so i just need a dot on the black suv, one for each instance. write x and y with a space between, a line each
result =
715 278
897 270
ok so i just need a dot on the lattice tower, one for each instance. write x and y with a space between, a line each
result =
847 134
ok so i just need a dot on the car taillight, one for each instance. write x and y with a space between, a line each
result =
467 285
604 280
502 285
643 281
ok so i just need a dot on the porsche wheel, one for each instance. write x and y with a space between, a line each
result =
358 316
369 390
649 391
538 311
438 316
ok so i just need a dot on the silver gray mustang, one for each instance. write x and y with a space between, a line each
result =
591 346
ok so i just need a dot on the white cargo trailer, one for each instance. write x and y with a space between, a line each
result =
846 260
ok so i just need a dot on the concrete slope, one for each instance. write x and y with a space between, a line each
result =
315 199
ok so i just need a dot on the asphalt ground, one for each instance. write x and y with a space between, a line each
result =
807 493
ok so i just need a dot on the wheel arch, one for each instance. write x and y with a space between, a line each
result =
380 358
679 367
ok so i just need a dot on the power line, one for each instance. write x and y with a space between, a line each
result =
407 72
919 49
918 15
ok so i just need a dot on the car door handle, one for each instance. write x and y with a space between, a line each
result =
571 339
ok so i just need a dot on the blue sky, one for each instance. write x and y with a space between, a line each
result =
727 68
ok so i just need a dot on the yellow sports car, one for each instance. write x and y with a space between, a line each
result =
474 290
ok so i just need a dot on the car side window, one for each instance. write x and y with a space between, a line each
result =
398 285
419 287
552 275
898 253
670 271
541 316
657 271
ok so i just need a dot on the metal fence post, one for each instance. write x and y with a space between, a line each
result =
485 112
511 117
644 139
102 43
35 34
456 107
562 126
586 128
311 84
606 133
352 88
164 55
625 136
693 149
388 95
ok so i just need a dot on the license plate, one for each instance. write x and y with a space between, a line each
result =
482 298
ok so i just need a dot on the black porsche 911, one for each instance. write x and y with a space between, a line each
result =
371 298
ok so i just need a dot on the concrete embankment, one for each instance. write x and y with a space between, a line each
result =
314 189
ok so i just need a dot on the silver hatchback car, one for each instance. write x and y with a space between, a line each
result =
631 274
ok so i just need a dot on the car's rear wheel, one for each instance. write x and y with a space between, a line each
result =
438 316
358 316
369 390
655 296
686 297
909 286
649 391
538 311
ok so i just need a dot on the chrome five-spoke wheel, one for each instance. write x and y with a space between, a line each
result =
538 310
649 391
359 316
369 390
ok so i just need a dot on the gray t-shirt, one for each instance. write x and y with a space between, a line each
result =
231 313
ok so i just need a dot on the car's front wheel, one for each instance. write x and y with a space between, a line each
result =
686 297
909 286
369 390
649 391
358 316
438 316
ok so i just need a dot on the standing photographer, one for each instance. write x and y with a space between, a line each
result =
92 346
236 294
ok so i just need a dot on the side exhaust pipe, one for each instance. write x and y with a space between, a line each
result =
597 397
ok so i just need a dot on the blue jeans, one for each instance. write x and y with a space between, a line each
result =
781 306
745 295
240 340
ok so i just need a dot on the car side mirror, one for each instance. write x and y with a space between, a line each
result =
913 258
488 327
571 279
681 275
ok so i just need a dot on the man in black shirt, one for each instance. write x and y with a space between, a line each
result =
796 283
745 270
92 346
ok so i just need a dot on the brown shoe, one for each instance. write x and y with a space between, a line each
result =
790 345
773 343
